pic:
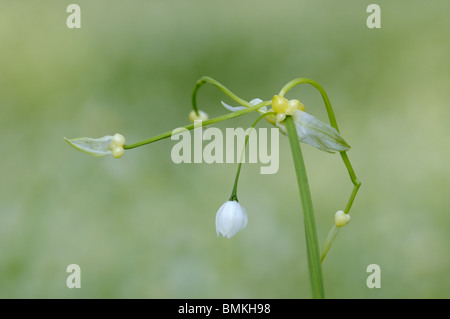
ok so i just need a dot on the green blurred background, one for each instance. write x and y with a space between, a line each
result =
144 227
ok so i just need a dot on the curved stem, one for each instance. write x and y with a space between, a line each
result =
325 98
334 230
207 79
312 243
356 183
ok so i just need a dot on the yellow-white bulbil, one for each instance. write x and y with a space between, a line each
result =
341 219
294 105
116 145
281 117
117 152
201 116
279 104
118 139
309 129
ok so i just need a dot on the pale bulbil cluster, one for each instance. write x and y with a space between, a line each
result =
309 129
281 105
116 146
202 116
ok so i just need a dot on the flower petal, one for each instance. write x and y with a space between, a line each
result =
233 108
240 107
282 127
256 102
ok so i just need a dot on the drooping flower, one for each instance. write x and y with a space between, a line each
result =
230 219
100 147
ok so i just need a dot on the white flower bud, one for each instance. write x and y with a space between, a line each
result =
341 219
230 219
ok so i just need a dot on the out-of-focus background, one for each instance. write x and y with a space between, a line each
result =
144 227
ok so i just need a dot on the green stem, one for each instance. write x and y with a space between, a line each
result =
192 126
328 242
334 230
236 179
312 243
333 123
325 98
207 79
356 183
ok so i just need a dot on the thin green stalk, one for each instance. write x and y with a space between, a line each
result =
329 241
207 79
333 123
325 98
312 243
236 179
334 230
356 183
192 126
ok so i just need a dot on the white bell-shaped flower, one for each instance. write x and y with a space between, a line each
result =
230 219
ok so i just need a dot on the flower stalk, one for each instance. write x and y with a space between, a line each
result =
192 126
312 242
